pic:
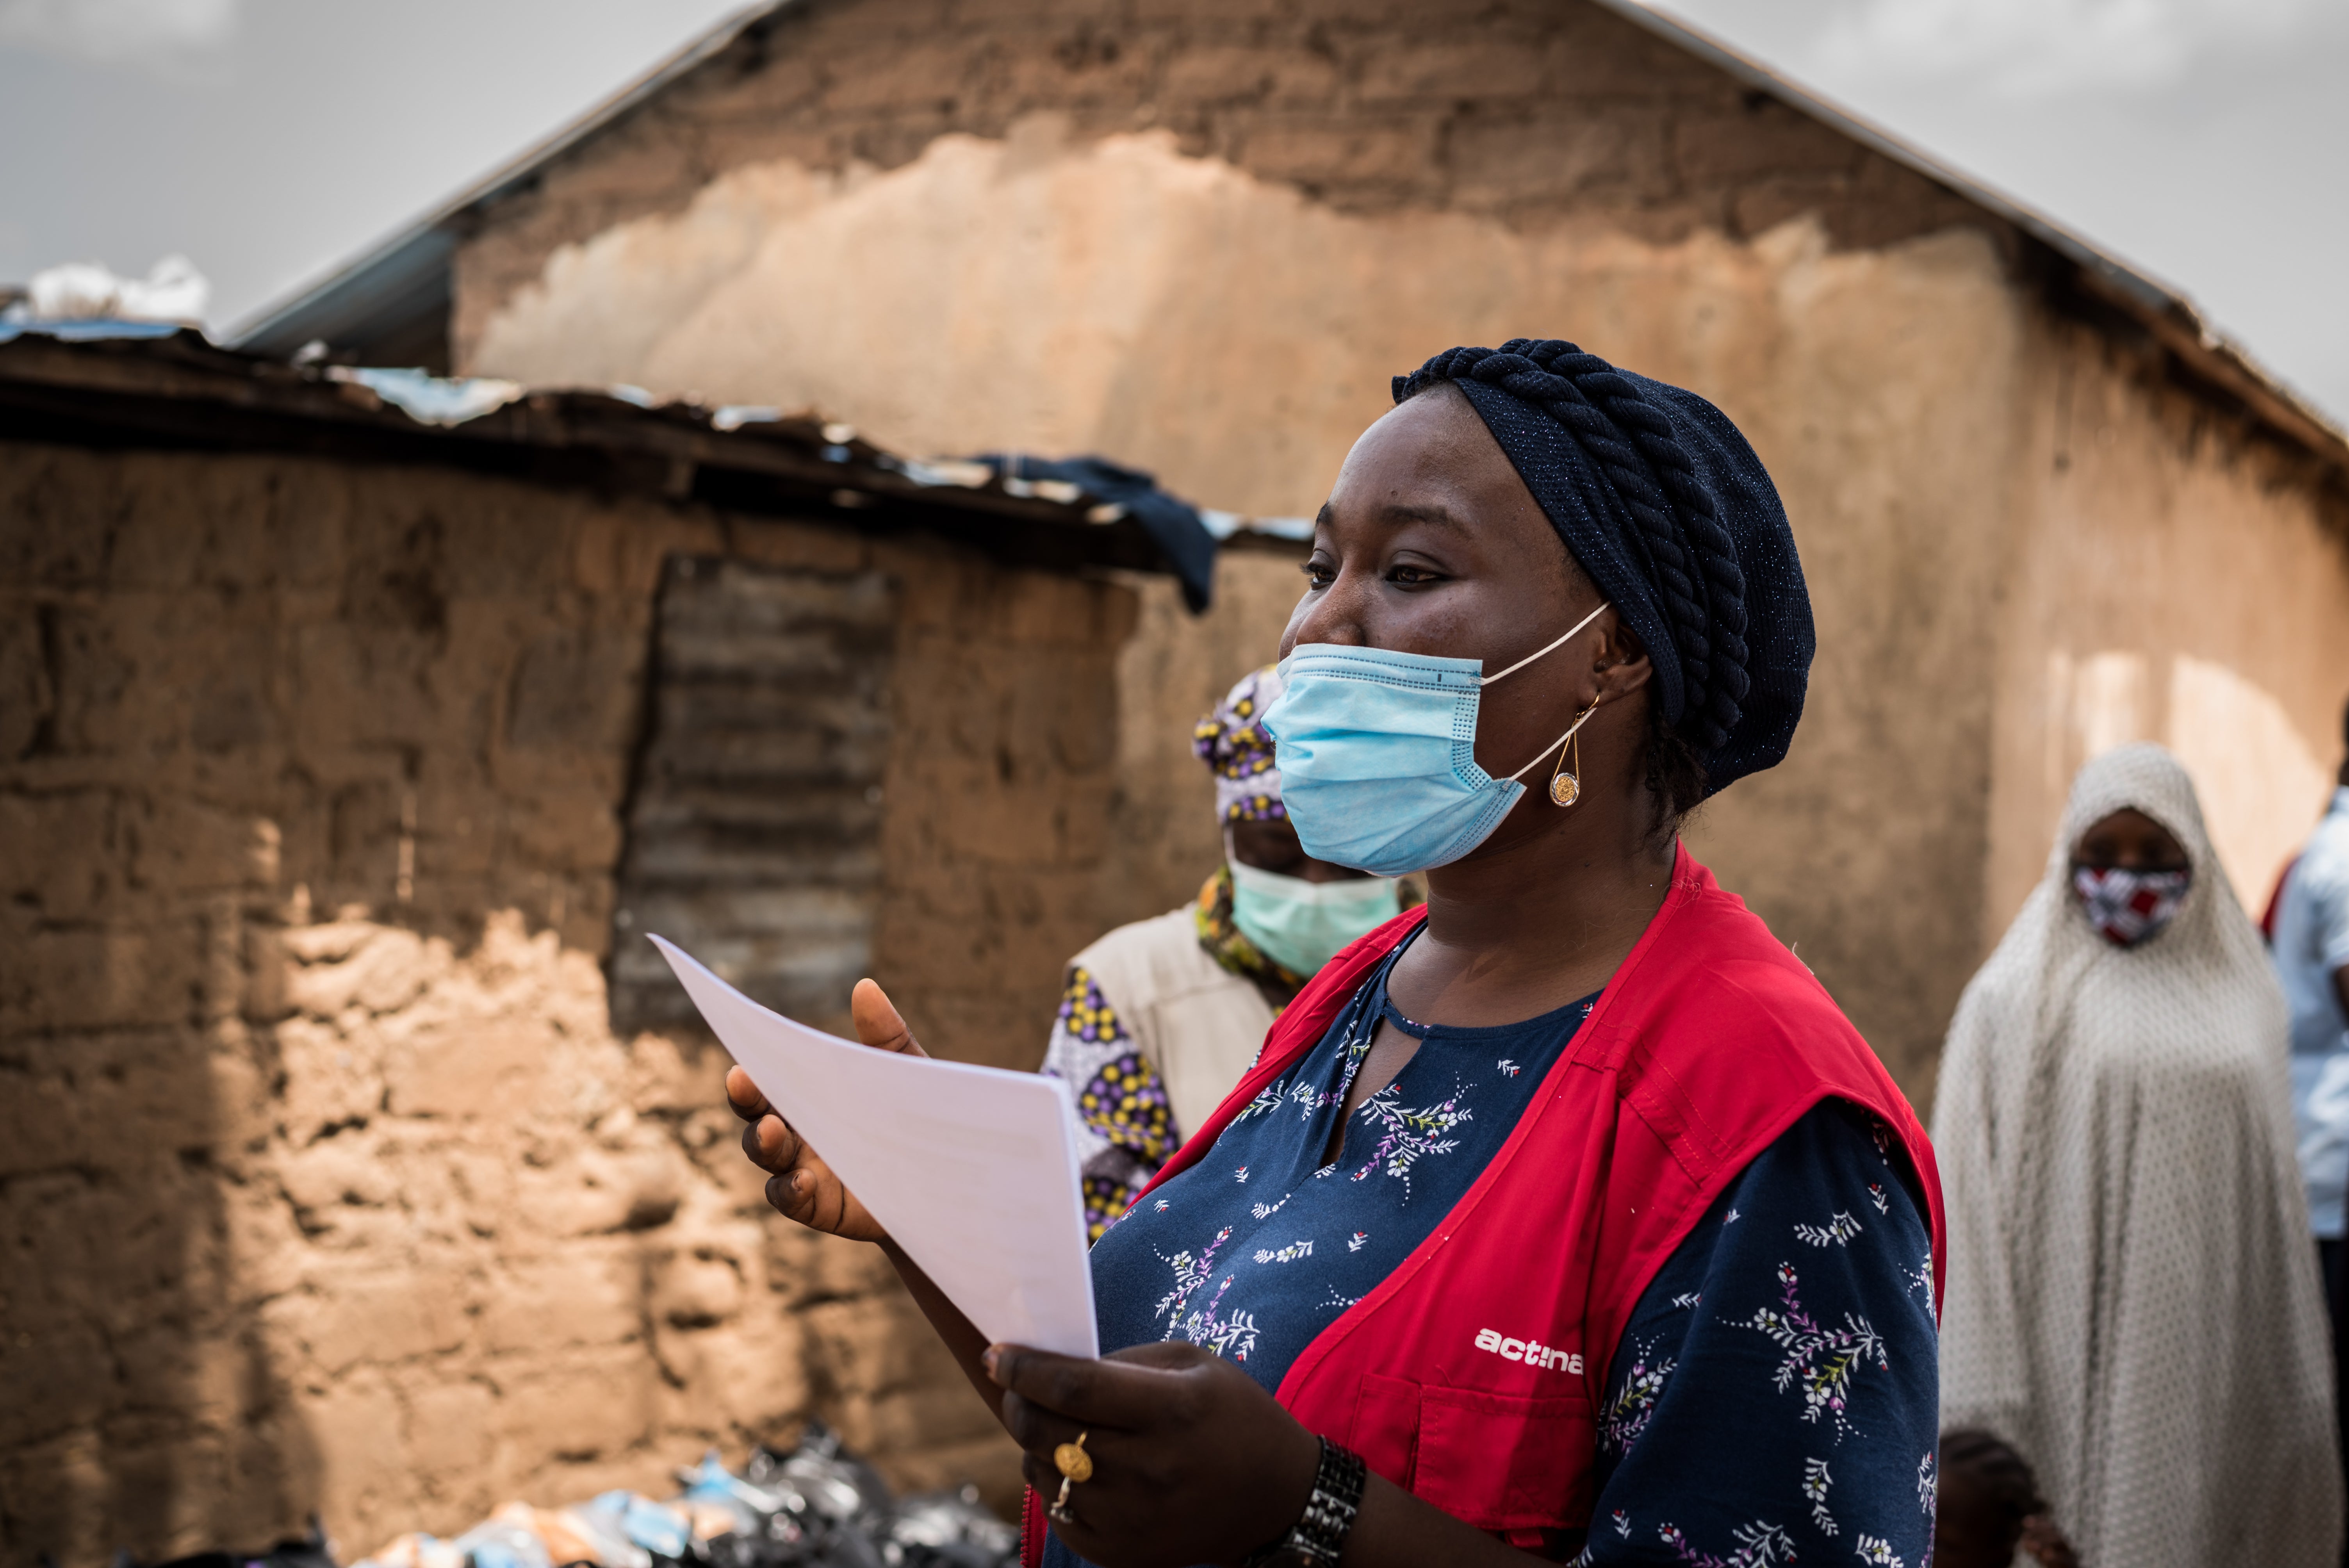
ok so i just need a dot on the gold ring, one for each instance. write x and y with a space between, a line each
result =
1073 1464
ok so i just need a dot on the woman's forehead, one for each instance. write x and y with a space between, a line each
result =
1430 460
2131 822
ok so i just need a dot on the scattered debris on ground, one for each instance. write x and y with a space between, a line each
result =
818 1506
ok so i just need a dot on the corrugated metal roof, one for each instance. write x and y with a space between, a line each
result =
180 392
117 384
407 272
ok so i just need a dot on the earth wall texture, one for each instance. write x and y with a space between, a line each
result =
325 1184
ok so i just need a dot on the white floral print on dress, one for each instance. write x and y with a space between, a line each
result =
1408 1135
1758 1545
1190 1273
1816 1485
1628 1416
1821 1359
1267 1098
1231 1337
1837 1232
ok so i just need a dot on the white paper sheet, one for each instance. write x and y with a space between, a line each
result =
973 1171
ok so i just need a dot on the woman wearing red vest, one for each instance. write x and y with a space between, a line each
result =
1567 1216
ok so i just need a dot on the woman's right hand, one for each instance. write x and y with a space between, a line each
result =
799 1184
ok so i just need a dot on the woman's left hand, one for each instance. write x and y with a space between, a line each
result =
1193 1462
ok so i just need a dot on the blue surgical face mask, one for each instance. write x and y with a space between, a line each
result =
1301 924
1377 752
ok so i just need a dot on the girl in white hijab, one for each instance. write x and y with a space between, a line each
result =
2133 1297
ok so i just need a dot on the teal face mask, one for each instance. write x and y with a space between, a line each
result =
1302 924
1377 753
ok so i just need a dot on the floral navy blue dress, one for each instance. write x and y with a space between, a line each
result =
1784 1353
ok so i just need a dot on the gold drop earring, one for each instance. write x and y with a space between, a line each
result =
1565 786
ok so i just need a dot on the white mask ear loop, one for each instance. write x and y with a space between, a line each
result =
1554 745
1529 659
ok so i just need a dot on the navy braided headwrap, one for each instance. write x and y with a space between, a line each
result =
1668 510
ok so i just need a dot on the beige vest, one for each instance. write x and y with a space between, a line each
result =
1194 1020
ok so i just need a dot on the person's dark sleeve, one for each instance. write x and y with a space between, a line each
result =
1775 1396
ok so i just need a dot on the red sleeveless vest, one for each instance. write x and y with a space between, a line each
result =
1472 1374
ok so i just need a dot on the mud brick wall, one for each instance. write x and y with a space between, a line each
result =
1531 110
325 1182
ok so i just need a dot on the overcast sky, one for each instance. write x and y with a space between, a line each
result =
2206 141
270 139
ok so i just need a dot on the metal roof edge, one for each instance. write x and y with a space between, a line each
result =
2168 312
185 392
398 261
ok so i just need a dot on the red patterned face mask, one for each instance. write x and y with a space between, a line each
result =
2128 906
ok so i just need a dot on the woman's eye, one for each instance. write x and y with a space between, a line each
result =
1411 576
1317 575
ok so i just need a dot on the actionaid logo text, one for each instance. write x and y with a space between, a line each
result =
1532 1352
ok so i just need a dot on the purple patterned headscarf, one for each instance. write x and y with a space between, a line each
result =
1237 750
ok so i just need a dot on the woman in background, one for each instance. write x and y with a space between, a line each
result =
1159 1019
2132 1299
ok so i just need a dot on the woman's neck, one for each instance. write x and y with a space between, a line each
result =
1532 924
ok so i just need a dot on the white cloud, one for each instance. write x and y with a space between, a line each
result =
2042 48
119 29
172 290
